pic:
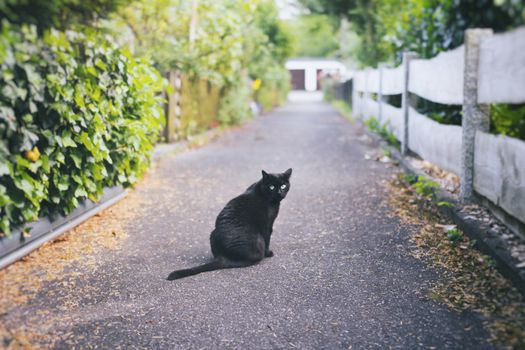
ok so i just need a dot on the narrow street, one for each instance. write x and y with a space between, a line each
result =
342 276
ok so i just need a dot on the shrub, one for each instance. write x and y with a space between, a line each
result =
77 114
508 120
234 104
274 88
383 130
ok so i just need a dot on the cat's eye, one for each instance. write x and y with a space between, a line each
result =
283 187
272 187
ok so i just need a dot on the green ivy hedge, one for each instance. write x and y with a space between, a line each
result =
77 114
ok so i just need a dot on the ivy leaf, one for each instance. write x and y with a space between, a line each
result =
80 192
60 158
77 160
100 64
4 170
24 185
32 107
63 186
67 141
91 70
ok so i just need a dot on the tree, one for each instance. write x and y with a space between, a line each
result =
316 35
432 26
224 42
387 27
363 16
60 14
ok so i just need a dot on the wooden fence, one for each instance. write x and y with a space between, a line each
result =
488 68
191 106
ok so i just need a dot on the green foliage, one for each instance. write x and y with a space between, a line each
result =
444 114
428 27
389 27
316 35
490 262
445 204
276 40
343 108
373 124
268 42
328 86
234 105
274 87
455 235
382 130
199 104
60 14
508 120
77 114
410 178
367 19
425 188
224 42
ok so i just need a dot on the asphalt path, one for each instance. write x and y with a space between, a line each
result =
342 276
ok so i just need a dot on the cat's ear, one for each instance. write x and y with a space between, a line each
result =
265 174
288 173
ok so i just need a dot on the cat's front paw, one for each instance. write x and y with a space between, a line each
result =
268 254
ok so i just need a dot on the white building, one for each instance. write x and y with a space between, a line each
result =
307 72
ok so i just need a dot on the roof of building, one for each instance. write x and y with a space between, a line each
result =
314 62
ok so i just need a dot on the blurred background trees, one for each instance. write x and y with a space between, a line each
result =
225 42
59 14
386 28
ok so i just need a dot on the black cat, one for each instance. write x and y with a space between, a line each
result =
243 228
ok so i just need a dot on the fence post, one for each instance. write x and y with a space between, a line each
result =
366 95
359 101
405 102
380 93
172 106
168 107
354 97
475 116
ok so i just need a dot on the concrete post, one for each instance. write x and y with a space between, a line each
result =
380 93
364 109
475 116
354 98
405 104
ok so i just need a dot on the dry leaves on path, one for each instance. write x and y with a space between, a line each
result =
469 280
54 261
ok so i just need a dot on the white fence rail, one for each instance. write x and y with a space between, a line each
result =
502 68
439 79
392 81
487 69
438 143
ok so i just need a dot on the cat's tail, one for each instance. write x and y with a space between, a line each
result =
218 263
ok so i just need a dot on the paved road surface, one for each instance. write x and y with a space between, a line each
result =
341 277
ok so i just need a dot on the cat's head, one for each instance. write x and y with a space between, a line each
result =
276 186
